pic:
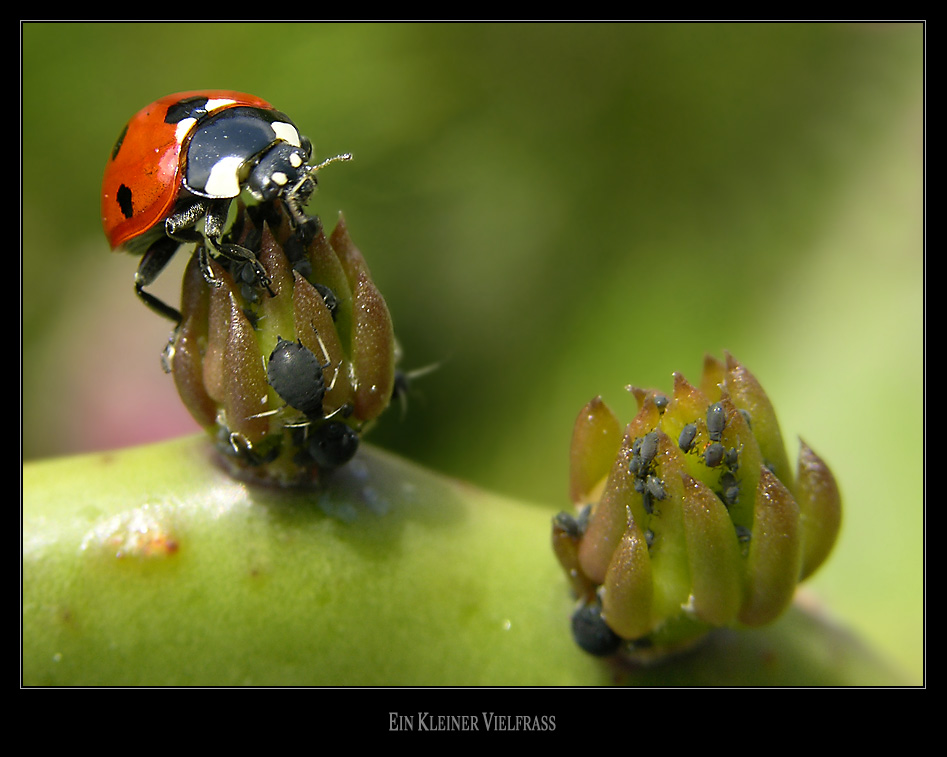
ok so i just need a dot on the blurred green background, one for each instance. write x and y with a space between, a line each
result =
552 212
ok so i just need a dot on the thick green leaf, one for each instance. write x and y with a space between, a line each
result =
150 566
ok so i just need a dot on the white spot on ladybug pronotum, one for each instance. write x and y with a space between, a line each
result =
286 132
224 179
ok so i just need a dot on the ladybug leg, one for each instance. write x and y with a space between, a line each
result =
180 227
180 224
203 260
304 226
214 223
298 196
152 263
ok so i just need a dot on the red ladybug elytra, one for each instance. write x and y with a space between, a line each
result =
185 158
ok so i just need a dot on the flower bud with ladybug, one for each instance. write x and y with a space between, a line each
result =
182 160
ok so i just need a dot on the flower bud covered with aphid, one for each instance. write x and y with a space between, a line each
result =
285 378
691 519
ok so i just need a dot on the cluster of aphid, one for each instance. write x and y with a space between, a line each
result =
691 518
651 487
283 348
715 454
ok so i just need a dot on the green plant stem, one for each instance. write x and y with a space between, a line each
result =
151 566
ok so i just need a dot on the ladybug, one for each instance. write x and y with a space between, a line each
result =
184 159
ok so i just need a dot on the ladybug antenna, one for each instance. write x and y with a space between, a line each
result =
346 156
308 174
298 194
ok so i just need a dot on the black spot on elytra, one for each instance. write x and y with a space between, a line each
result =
124 197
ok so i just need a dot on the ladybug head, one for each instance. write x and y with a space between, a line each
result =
282 168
